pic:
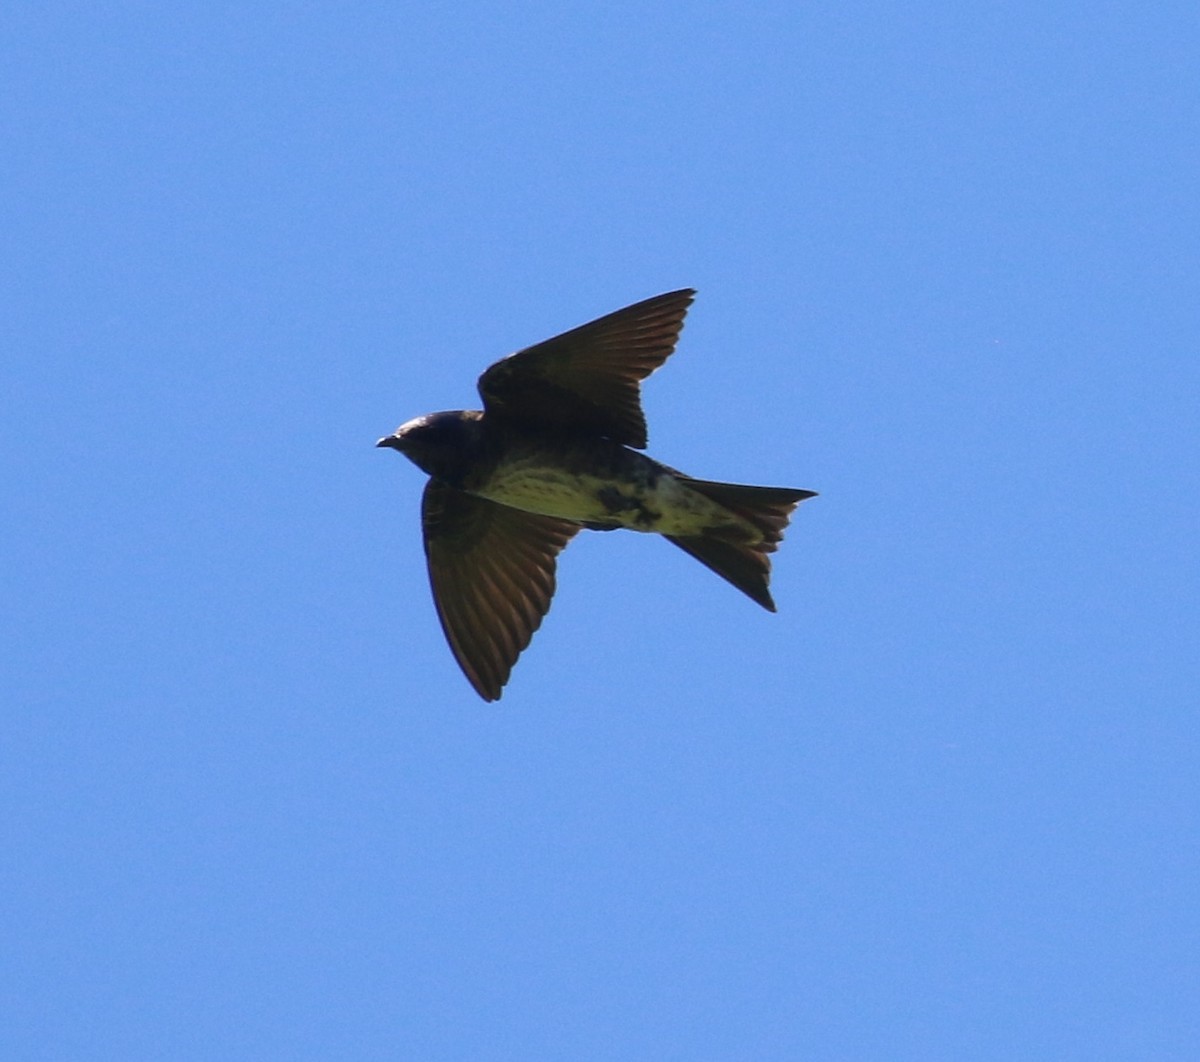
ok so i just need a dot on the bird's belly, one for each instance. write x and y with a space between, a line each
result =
656 502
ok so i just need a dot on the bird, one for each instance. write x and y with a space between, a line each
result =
554 451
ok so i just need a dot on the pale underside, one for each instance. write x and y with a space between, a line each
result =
660 504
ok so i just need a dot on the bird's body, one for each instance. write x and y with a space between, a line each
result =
551 454
592 481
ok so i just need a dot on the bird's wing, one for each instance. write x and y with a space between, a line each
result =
588 380
492 573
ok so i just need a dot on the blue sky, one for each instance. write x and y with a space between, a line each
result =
941 806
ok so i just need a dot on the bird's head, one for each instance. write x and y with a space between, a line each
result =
440 444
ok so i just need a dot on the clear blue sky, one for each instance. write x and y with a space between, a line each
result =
943 805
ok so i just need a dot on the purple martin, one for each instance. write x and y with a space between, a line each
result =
554 451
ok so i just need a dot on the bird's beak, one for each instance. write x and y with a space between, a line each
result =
388 440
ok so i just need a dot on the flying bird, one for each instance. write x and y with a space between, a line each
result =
554 451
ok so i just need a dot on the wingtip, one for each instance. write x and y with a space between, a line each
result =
486 692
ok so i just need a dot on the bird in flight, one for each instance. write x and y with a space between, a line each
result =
554 451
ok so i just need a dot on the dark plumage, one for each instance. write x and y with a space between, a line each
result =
549 455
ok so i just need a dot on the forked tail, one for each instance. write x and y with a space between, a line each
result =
748 567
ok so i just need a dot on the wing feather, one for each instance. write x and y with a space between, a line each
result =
588 380
492 571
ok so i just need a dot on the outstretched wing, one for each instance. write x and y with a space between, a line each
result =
588 380
492 573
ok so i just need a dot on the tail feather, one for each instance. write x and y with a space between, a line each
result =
767 508
745 566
